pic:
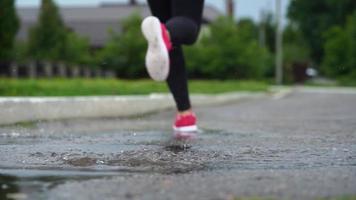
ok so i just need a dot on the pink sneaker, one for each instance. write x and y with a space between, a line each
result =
159 45
185 123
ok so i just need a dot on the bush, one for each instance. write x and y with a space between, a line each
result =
227 51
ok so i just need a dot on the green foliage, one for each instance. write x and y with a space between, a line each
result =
270 31
336 48
20 52
77 49
294 41
228 51
295 50
85 87
125 51
317 16
249 27
293 55
48 37
9 25
340 50
51 40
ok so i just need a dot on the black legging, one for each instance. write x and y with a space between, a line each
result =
182 19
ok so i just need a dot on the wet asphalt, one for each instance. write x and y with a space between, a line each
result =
300 146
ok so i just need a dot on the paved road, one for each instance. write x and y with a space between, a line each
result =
301 146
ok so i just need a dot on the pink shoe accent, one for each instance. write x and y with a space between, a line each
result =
165 37
185 123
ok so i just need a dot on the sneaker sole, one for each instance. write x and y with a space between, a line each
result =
157 57
192 128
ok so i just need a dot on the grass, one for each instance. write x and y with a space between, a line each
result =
347 81
88 87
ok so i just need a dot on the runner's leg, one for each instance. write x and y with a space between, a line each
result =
183 28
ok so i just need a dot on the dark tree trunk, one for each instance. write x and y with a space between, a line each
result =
230 8
133 2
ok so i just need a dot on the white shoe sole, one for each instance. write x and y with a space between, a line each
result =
157 57
193 128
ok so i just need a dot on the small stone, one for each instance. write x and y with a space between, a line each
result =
99 162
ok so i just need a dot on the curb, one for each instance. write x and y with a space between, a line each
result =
25 109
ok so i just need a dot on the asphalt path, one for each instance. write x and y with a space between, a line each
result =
298 146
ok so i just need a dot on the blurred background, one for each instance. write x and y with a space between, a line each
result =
67 47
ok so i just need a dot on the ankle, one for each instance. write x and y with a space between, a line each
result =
185 112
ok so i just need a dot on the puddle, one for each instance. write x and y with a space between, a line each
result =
36 163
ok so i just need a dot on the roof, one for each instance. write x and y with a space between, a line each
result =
94 22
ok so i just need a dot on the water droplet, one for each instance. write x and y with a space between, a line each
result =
100 162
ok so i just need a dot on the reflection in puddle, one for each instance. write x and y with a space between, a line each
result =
8 187
176 148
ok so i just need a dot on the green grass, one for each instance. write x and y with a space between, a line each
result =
87 87
348 81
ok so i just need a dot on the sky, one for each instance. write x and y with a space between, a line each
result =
244 8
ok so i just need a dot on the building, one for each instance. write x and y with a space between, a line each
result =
94 22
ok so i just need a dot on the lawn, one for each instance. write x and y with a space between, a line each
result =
87 87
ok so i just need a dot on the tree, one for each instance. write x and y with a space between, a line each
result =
125 51
48 37
250 28
316 17
9 25
296 54
77 49
133 2
230 8
20 49
270 31
340 50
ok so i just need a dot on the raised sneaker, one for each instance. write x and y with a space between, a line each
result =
159 45
185 123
